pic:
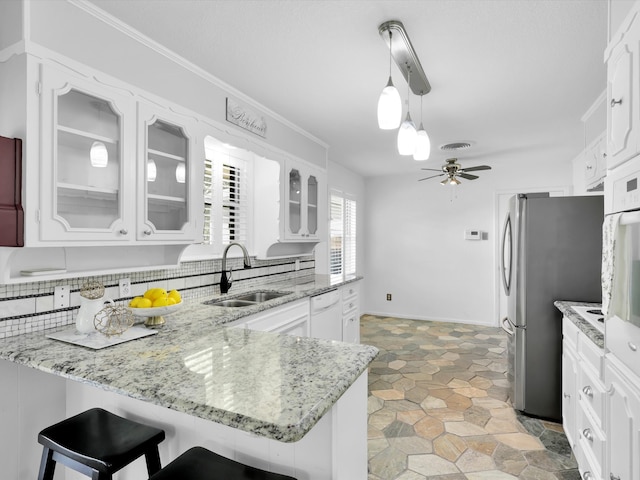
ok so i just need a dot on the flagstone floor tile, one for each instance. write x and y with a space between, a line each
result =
439 408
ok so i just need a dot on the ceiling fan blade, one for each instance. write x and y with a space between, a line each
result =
475 169
433 176
466 176
432 169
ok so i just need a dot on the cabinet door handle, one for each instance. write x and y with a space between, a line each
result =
615 102
632 346
587 434
613 477
587 475
123 231
147 232
588 391
566 395
589 167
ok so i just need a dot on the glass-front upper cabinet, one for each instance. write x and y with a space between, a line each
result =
301 215
86 137
165 171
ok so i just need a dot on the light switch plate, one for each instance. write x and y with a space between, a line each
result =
61 296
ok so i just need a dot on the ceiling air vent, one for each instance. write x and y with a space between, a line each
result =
455 146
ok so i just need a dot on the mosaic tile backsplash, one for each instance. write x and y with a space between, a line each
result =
29 307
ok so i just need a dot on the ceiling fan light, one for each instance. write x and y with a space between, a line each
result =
454 181
98 155
389 107
407 137
423 145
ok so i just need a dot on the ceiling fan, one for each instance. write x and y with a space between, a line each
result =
452 169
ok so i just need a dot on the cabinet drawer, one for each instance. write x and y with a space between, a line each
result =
350 292
350 306
592 393
591 354
592 442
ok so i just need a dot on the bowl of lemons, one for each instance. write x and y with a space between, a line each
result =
155 303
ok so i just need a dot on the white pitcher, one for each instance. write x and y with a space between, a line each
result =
88 310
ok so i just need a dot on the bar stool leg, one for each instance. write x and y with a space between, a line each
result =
153 461
47 465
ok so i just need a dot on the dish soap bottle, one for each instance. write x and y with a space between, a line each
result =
91 302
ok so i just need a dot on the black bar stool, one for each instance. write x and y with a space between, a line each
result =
98 443
199 463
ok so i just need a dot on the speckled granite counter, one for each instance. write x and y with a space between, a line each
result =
585 327
272 385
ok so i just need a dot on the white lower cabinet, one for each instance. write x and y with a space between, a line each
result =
351 313
623 421
290 318
583 392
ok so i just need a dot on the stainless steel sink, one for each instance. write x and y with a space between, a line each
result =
246 299
260 297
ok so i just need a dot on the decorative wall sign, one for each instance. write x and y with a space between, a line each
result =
245 118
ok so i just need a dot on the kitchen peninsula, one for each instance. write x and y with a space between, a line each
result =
289 404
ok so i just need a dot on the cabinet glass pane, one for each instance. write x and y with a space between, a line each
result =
87 161
167 171
295 195
312 205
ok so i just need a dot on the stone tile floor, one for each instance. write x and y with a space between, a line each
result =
438 408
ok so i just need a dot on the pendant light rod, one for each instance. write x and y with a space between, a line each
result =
405 56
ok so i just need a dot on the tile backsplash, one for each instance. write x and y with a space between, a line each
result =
29 307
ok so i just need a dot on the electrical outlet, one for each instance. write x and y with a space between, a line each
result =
125 287
388 297
61 296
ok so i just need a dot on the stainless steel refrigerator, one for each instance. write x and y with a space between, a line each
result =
551 250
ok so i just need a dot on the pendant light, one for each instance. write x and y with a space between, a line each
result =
152 171
389 103
423 143
407 132
98 155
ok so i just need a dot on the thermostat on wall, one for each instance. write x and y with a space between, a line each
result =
472 235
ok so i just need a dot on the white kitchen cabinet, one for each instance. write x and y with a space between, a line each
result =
167 153
623 91
351 313
290 318
302 197
87 177
583 402
595 162
97 142
623 421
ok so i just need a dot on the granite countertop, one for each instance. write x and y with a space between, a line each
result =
273 385
585 327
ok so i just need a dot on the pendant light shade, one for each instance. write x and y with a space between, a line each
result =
389 107
151 171
423 145
99 155
407 137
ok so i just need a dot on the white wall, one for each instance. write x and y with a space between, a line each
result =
415 247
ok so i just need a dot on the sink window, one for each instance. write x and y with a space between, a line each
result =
226 194
342 259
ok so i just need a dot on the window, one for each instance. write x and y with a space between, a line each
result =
342 257
226 196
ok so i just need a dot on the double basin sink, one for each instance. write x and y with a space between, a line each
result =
247 299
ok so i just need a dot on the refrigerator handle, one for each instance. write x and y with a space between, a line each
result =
507 242
507 326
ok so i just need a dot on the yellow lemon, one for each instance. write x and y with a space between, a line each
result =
155 293
161 302
150 293
171 301
134 302
144 303
175 295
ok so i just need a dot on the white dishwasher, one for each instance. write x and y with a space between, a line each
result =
326 316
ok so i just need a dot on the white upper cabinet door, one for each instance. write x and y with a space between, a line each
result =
623 89
303 195
167 184
86 165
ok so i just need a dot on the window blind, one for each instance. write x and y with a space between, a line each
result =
336 233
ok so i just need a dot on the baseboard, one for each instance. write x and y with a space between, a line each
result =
431 319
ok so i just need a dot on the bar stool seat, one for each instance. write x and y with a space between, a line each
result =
98 443
199 463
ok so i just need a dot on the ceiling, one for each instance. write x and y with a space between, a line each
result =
508 76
